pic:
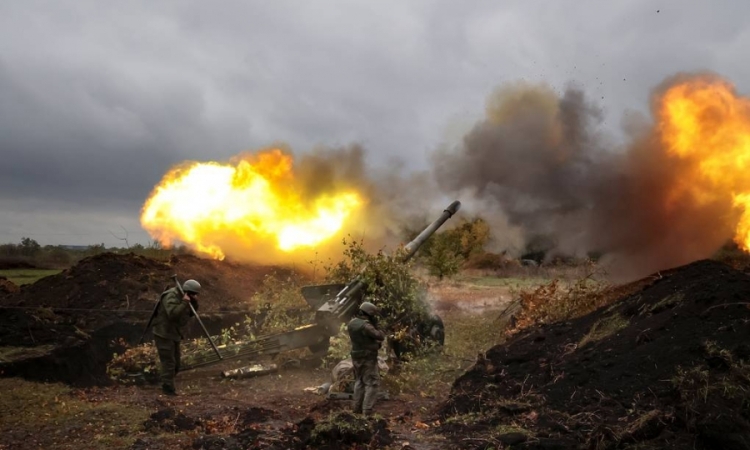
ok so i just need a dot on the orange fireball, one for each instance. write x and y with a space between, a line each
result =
253 199
706 126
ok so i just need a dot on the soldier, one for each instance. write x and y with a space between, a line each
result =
366 340
173 314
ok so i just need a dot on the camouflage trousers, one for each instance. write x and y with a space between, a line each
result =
366 383
169 356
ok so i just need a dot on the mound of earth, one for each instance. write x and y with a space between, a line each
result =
7 286
113 281
86 313
667 366
342 430
15 263
240 428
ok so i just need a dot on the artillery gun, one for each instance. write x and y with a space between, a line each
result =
334 304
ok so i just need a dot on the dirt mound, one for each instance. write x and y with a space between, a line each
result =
239 428
7 286
113 281
668 365
8 263
170 420
105 281
112 292
342 430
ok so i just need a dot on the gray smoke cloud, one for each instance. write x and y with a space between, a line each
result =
539 159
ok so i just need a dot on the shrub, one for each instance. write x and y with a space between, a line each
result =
554 302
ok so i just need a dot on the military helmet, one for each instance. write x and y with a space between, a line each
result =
369 309
191 286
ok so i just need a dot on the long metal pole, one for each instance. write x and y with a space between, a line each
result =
195 313
150 320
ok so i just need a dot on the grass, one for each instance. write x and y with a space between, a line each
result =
490 281
27 276
603 328
668 302
9 354
506 429
432 375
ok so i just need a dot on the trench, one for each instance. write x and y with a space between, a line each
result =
84 363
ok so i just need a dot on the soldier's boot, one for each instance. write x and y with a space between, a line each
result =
168 389
367 412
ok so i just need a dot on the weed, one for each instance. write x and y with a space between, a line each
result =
667 302
554 301
510 428
603 328
341 426
432 374
44 315
703 390
8 354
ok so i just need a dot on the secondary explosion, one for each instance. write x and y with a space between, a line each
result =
254 202
677 192
706 126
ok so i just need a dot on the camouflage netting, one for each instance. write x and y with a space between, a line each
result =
405 314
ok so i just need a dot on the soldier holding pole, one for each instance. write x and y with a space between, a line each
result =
175 308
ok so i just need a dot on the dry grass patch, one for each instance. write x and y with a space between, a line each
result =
432 374
603 328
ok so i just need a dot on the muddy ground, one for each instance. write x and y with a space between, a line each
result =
7 286
664 366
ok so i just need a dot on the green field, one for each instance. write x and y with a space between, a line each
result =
26 276
507 282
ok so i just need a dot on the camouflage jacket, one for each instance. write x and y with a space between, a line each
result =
172 315
365 338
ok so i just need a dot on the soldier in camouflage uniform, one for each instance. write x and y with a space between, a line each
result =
366 340
173 314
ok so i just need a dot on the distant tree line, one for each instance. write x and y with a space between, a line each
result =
29 253
465 247
445 254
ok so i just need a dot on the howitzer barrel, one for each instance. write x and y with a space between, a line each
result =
411 248
345 303
335 304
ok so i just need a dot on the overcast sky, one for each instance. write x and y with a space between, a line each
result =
98 99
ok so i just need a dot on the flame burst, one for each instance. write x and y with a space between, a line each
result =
256 199
704 124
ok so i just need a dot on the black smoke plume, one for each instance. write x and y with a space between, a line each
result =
541 159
